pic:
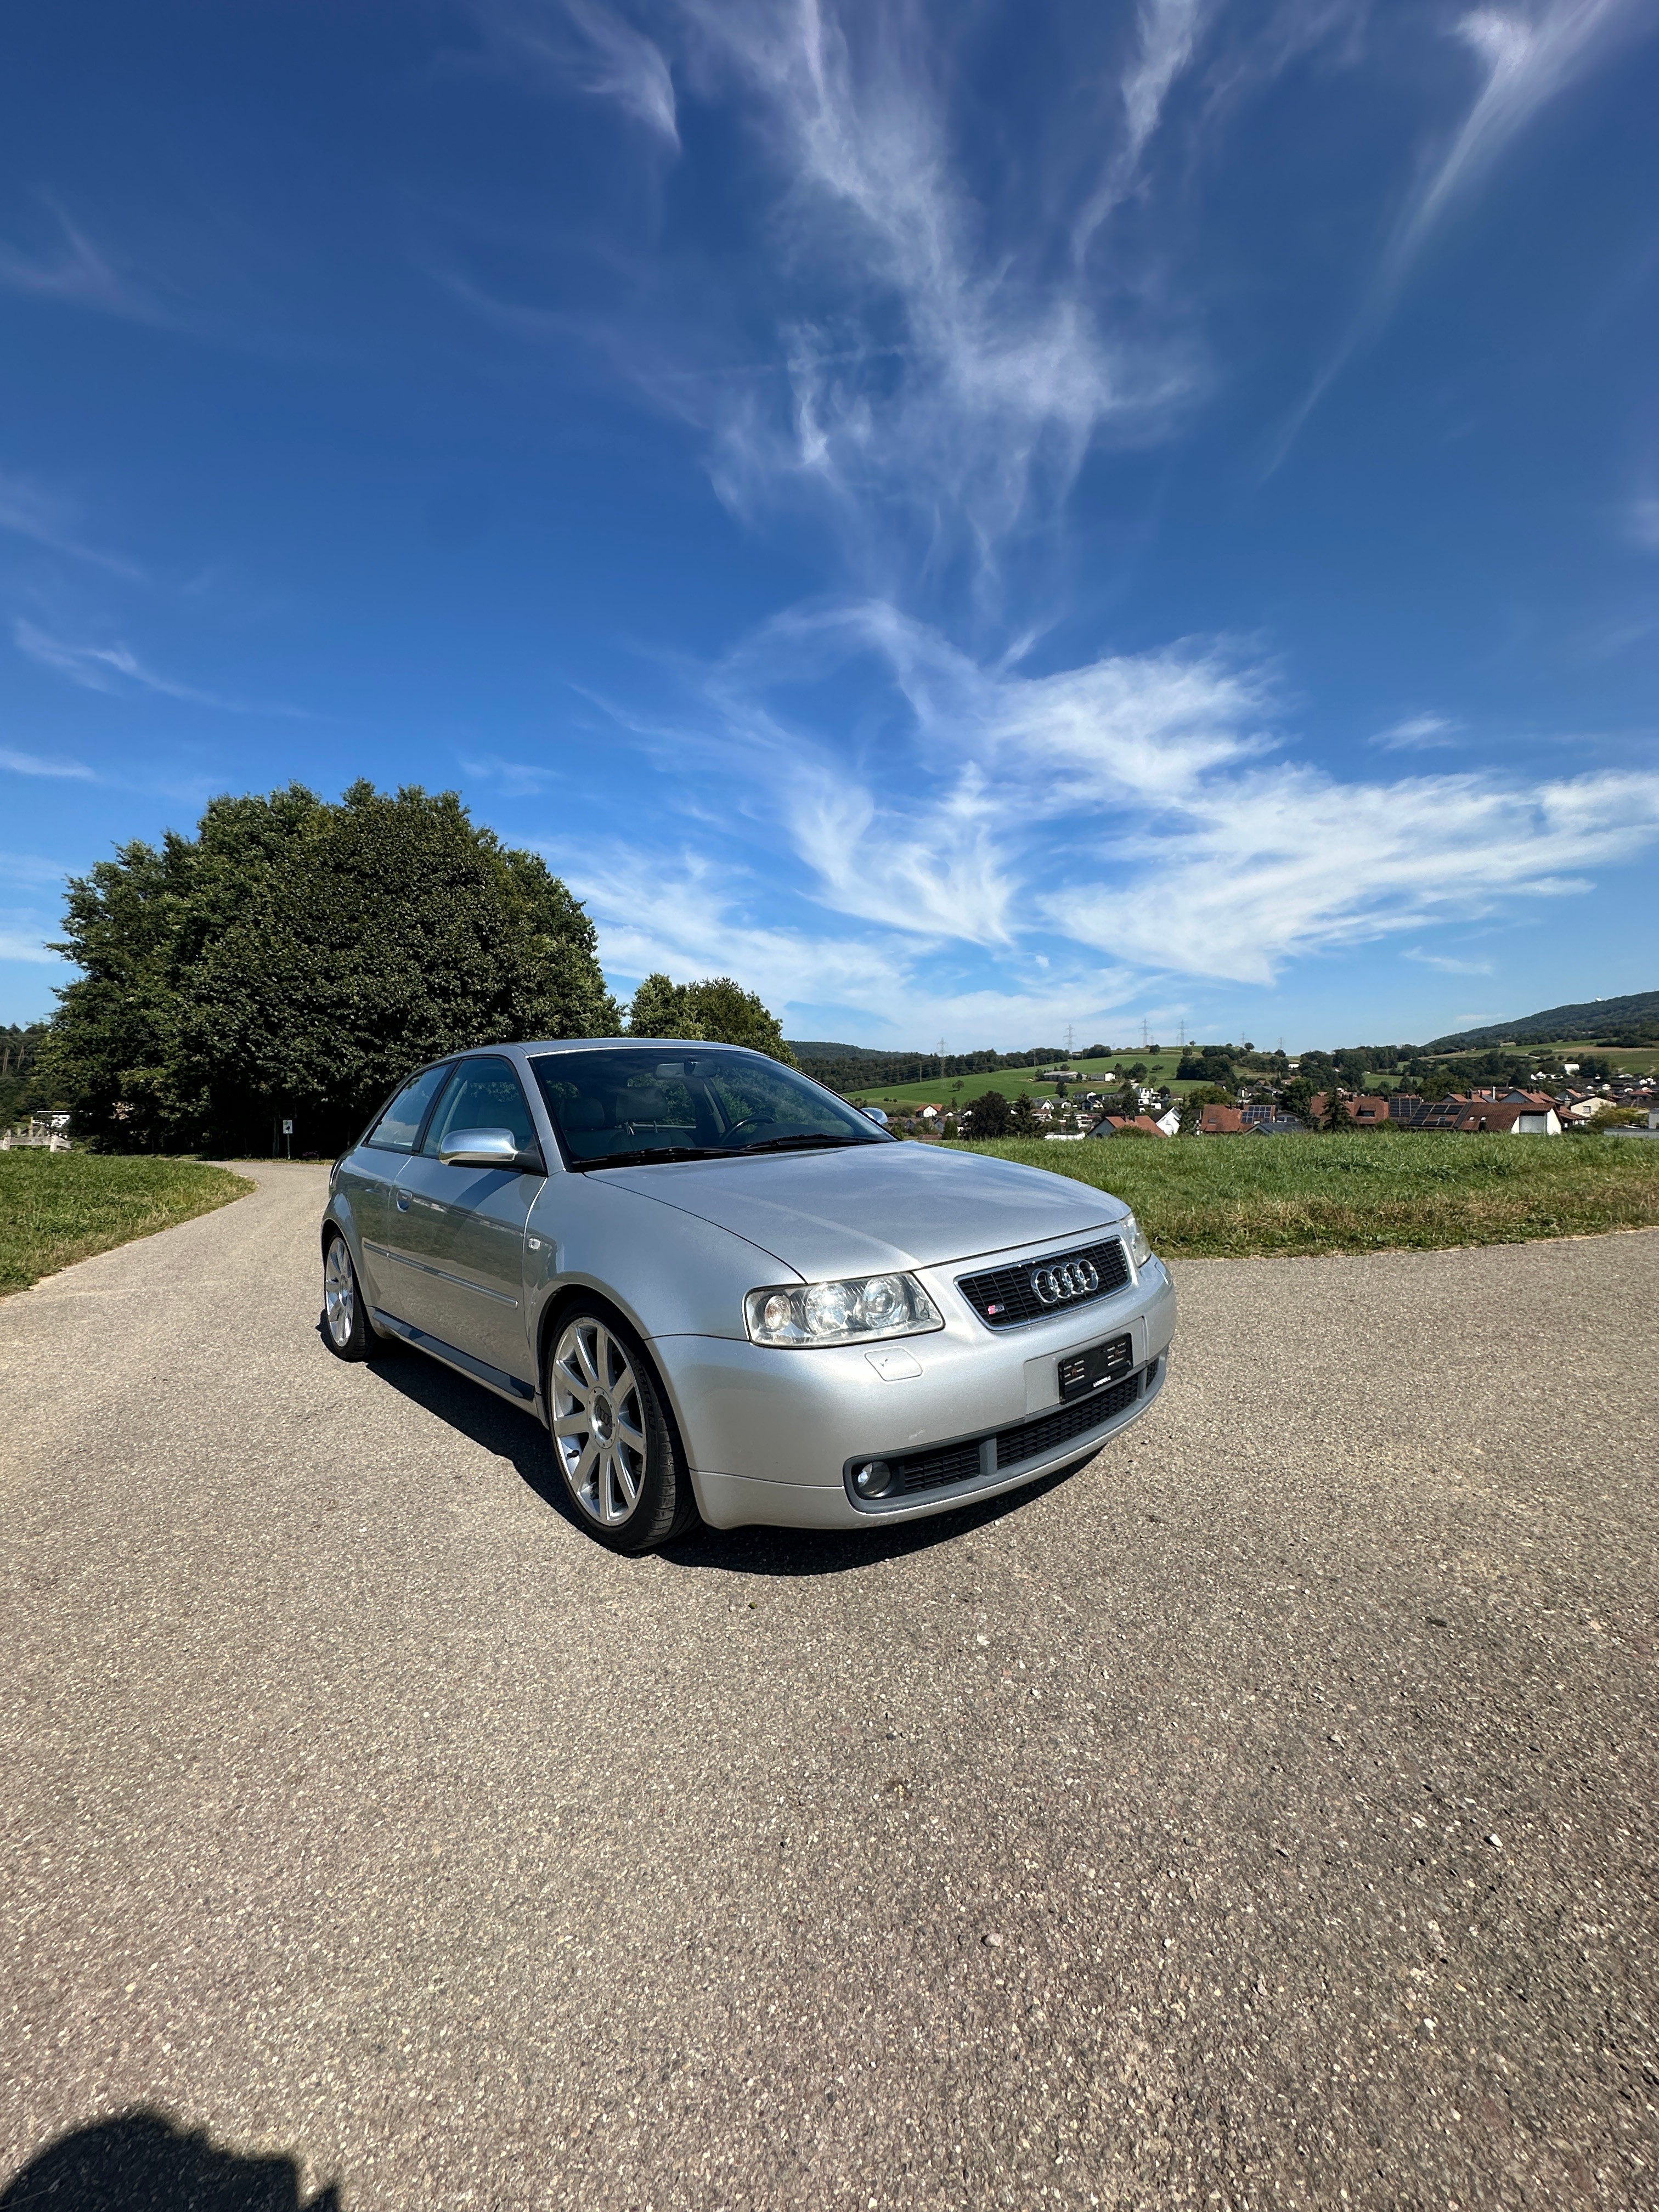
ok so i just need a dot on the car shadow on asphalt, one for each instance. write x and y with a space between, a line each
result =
142 2161
795 1553
509 1434
504 1431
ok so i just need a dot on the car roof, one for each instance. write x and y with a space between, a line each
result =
620 1044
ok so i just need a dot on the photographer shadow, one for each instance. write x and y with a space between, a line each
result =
142 2162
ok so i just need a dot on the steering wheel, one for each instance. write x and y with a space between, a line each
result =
762 1118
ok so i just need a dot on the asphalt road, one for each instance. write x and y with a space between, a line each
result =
1265 1816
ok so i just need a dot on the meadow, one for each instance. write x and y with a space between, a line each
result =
955 1091
1250 1197
59 1207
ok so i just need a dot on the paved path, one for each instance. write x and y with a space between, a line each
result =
1265 1816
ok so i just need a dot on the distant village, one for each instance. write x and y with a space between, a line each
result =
1282 1107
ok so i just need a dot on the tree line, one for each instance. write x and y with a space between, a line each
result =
294 958
872 1071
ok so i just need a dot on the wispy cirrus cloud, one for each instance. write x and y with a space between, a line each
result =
69 267
512 779
1526 57
1135 816
588 47
21 763
1446 963
1168 35
118 669
1529 55
24 930
1419 733
930 390
47 519
31 869
21 944
914 813
691 913
936 375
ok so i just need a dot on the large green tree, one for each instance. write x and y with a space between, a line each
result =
296 957
992 1115
20 1049
715 1012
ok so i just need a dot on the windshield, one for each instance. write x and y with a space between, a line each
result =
618 1108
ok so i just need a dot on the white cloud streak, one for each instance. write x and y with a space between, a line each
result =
19 945
72 271
691 915
17 764
991 840
935 379
1527 56
26 511
1447 964
116 669
1419 733
512 779
626 67
587 46
1168 31
1133 817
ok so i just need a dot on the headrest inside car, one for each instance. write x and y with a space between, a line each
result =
582 1114
641 1102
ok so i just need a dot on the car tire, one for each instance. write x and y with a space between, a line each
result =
349 1332
614 1441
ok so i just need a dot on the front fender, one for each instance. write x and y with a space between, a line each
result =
667 1273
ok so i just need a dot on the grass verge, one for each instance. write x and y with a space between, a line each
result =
1244 1197
59 1207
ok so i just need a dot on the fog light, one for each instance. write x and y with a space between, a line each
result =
873 1478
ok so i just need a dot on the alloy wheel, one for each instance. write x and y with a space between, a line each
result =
599 1423
339 1292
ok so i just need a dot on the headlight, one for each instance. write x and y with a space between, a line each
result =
853 1312
1135 1237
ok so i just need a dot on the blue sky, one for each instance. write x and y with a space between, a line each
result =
972 521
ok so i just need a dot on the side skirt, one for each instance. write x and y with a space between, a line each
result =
493 1378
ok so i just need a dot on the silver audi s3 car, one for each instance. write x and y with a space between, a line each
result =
727 1292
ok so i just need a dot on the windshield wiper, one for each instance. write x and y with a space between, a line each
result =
814 1141
647 1154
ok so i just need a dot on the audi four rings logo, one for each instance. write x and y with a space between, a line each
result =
1074 1278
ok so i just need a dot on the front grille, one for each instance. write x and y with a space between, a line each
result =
932 1470
1034 1439
1004 1296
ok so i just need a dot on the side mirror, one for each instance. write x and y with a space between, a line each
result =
488 1148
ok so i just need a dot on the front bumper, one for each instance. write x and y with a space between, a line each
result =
770 1434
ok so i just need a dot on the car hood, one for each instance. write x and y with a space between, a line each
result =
873 1207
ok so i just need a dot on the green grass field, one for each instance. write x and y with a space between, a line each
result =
962 1091
58 1207
957 1091
1624 1059
1244 1197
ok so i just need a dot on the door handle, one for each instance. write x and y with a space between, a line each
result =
403 1201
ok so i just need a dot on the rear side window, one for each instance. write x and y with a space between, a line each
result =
485 1094
400 1126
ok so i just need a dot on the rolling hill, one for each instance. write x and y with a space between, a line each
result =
1599 1019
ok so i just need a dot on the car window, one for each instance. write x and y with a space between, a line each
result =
633 1105
400 1126
483 1094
